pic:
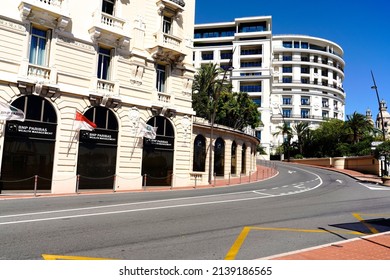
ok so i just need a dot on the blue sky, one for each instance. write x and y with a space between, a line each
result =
361 28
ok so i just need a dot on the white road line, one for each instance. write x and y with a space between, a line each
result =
267 194
376 188
147 202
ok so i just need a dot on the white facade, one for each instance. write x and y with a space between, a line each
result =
292 78
102 56
119 63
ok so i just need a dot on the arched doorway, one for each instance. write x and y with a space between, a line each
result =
157 157
96 162
243 159
29 146
233 169
219 157
199 159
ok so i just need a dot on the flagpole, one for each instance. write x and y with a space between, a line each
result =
74 136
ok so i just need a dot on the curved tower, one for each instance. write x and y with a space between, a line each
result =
307 81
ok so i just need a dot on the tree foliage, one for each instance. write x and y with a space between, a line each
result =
237 110
212 94
335 137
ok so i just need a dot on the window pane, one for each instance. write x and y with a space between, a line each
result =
38 47
33 50
108 7
34 108
167 25
104 64
199 159
160 80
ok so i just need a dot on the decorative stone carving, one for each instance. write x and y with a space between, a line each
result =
186 124
187 87
136 74
134 117
25 10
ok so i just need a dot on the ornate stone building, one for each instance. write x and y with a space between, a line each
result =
119 63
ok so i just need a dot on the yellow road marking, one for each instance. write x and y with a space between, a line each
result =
72 258
376 215
360 219
231 255
309 230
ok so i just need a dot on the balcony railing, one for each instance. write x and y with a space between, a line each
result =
312 117
164 97
108 21
105 86
288 81
168 41
112 21
37 71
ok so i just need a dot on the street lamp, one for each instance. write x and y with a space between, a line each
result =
382 121
214 113
379 104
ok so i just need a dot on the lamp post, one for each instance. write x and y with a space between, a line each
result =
379 104
213 115
382 121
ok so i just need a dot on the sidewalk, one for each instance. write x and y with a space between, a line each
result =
261 173
372 247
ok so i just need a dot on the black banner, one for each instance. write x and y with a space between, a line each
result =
31 129
99 136
161 142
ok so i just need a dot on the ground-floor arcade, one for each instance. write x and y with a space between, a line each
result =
46 152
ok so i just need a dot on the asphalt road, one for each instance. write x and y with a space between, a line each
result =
299 208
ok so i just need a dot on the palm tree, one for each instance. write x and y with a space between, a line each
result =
206 89
287 133
358 125
301 130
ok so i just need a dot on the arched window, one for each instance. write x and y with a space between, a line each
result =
97 154
36 108
29 145
219 157
243 159
233 158
102 117
199 159
158 154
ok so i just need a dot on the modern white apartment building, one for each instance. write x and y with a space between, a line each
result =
292 78
120 64
307 78
246 43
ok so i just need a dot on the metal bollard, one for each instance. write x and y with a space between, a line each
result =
145 177
35 184
77 183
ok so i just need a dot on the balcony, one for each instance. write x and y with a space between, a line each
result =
167 47
105 93
110 30
174 5
41 73
164 97
50 13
